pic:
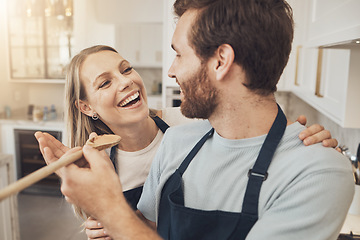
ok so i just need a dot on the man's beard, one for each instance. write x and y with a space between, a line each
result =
200 96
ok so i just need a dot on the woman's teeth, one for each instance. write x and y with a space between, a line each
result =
129 99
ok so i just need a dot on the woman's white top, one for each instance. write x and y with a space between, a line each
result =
133 167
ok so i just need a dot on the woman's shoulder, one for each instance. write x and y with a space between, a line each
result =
173 116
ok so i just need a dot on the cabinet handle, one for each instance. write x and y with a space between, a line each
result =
318 73
297 64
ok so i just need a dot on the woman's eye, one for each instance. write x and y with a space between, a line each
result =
128 70
104 84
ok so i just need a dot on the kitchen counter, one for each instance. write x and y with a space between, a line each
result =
19 121
19 117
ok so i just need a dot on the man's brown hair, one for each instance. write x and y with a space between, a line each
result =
259 31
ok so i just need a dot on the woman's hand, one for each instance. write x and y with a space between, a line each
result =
315 134
50 148
95 230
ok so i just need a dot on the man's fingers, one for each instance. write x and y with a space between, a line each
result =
92 156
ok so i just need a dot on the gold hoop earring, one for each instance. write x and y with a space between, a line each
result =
95 116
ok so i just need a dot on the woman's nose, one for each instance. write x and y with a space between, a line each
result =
124 83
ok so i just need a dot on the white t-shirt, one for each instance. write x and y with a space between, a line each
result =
134 167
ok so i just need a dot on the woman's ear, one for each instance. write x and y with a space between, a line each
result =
224 57
84 107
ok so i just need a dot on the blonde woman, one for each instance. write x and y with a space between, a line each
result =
105 95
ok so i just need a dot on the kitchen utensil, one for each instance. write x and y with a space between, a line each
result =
99 142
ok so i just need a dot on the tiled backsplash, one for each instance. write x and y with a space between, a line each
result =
294 106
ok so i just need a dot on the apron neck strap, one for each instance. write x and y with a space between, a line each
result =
194 151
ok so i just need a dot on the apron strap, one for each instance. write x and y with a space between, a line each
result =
194 151
258 173
161 124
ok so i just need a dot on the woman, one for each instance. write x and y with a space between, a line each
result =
105 95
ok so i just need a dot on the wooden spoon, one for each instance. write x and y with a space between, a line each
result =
99 142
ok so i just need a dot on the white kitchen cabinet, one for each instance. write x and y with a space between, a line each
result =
9 221
88 30
333 21
140 43
328 79
323 66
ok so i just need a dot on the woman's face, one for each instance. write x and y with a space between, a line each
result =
114 90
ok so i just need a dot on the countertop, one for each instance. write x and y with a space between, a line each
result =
20 117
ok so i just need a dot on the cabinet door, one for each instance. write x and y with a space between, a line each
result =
127 42
8 227
333 21
305 73
332 82
140 43
151 44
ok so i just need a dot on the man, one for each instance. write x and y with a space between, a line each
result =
243 173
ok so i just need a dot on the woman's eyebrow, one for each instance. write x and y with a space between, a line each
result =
105 74
123 62
102 75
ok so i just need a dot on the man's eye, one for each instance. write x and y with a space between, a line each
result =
128 70
104 84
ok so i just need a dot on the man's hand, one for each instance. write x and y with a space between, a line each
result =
97 184
98 191
315 134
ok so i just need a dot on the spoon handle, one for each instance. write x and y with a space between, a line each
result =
39 174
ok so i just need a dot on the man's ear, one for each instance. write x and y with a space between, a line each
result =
84 107
224 57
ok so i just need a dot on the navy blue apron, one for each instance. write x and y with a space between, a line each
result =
175 221
133 195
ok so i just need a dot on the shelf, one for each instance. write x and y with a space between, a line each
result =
30 146
34 161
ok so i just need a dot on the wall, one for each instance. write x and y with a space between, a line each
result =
294 106
13 95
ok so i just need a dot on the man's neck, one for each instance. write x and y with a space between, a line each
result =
245 118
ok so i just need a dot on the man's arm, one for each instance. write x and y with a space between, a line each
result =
98 191
313 207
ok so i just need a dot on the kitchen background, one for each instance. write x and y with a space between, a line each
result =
321 81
